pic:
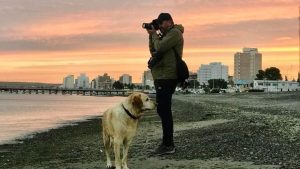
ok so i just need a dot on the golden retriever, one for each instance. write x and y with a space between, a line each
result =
119 125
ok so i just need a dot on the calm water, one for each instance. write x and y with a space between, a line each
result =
22 115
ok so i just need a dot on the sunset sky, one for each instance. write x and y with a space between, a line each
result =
46 40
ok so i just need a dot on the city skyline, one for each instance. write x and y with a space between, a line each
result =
45 41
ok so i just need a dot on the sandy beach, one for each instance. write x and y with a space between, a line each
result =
234 131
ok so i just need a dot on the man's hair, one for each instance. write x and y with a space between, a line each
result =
164 17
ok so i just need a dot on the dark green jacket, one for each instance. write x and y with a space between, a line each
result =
166 67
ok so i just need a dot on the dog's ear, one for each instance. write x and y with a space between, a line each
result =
137 101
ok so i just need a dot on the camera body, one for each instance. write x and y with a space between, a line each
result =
154 23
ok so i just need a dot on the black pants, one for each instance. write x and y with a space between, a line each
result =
164 91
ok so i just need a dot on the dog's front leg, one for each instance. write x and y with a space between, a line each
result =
117 145
107 150
125 153
107 147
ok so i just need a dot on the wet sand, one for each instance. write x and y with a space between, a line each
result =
247 130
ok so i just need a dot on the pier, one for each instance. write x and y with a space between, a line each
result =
88 92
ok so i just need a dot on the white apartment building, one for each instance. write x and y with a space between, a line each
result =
276 85
148 79
68 82
82 81
247 64
214 70
125 79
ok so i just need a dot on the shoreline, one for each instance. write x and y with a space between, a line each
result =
31 135
211 131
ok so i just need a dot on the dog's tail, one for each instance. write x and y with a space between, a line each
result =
111 142
107 139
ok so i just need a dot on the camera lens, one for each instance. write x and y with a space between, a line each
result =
144 25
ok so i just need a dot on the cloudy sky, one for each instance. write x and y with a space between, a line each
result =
45 40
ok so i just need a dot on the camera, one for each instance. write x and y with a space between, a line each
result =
154 23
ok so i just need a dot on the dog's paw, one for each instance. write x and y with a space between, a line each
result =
110 167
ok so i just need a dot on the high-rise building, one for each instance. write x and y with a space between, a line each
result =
125 79
247 64
82 81
68 82
102 82
204 74
214 70
148 79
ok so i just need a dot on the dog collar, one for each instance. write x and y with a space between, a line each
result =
129 114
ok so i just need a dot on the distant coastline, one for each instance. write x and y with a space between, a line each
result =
28 84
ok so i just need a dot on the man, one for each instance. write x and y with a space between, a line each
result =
164 50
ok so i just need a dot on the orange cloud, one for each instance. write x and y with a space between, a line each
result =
46 42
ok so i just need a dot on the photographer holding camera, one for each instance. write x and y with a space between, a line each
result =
165 47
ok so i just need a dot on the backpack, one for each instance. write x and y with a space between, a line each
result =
182 68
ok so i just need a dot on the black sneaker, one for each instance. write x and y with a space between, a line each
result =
162 150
